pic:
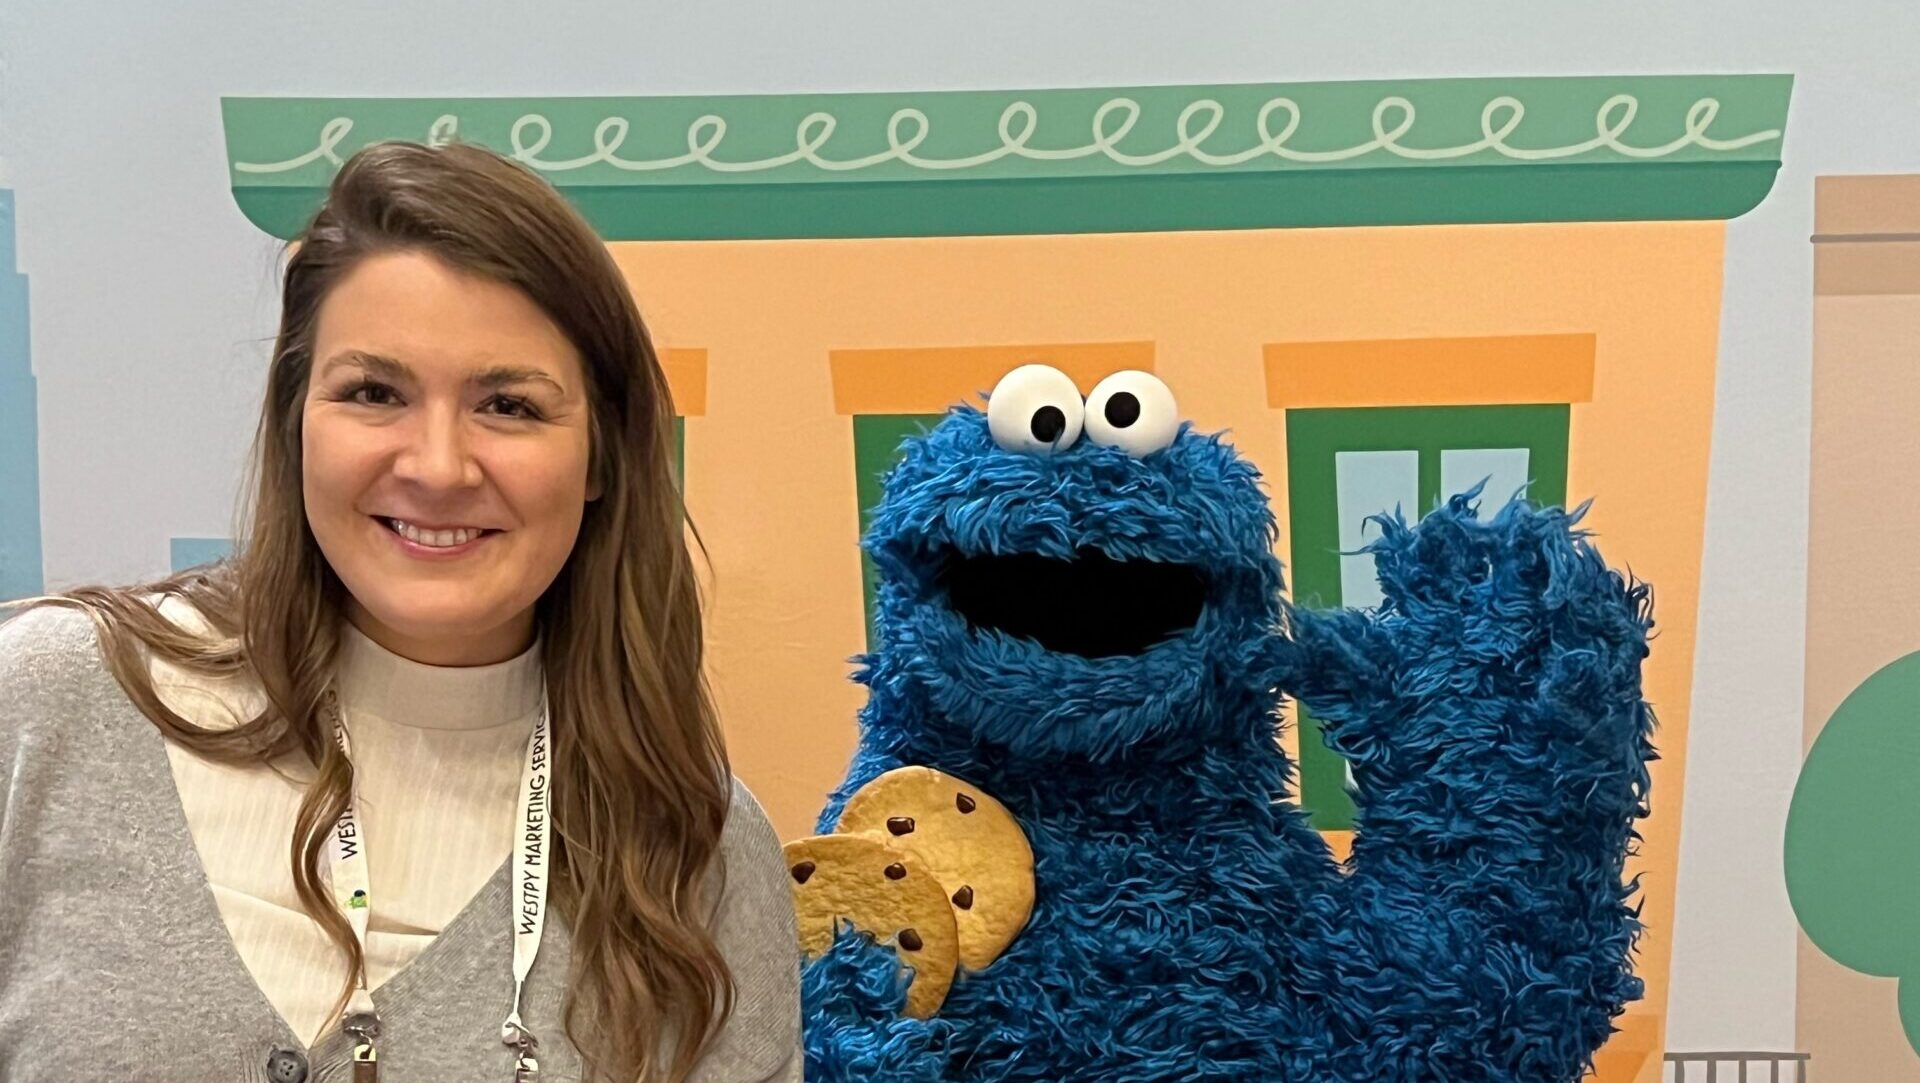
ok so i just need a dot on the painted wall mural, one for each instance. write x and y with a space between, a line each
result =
20 564
1511 280
1855 818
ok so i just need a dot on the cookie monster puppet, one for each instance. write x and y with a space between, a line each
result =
1089 626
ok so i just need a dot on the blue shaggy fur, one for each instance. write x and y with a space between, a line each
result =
1189 925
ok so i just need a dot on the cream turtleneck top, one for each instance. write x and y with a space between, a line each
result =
437 756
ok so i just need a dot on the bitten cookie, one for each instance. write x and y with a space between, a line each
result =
889 893
969 840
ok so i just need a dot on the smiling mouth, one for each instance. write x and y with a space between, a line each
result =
1093 605
450 538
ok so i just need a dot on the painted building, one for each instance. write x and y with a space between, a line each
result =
1385 291
1851 865
20 565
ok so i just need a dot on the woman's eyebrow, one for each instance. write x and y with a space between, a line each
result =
387 368
373 364
501 375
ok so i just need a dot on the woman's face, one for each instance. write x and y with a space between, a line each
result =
444 456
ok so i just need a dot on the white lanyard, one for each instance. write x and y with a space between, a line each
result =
527 896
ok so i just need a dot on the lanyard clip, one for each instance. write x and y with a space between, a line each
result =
366 1063
526 1069
365 1060
363 1027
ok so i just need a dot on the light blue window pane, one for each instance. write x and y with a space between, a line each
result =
1368 483
1503 469
20 575
193 552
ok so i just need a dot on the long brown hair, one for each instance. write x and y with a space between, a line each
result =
641 780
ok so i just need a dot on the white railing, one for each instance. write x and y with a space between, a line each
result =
1737 1067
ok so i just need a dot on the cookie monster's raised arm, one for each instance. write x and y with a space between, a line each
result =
1492 712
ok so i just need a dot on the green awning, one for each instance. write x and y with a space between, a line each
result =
1117 159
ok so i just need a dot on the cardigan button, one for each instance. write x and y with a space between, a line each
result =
287 1066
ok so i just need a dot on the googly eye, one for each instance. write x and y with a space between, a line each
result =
1132 411
1036 409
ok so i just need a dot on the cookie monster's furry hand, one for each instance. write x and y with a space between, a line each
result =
852 997
1092 631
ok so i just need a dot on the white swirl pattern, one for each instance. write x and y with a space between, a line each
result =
1393 119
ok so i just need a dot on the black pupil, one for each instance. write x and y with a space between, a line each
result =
1122 409
1048 423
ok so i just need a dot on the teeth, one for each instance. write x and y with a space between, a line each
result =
433 539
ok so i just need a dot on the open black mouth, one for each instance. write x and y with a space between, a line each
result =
1093 605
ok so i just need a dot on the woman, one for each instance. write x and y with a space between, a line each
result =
297 816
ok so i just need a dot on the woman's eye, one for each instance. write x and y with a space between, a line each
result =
371 394
509 406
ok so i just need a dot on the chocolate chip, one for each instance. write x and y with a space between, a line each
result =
910 940
964 897
896 872
802 872
964 803
900 825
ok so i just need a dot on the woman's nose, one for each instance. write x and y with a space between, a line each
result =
438 456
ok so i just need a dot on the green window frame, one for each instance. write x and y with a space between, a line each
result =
876 449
